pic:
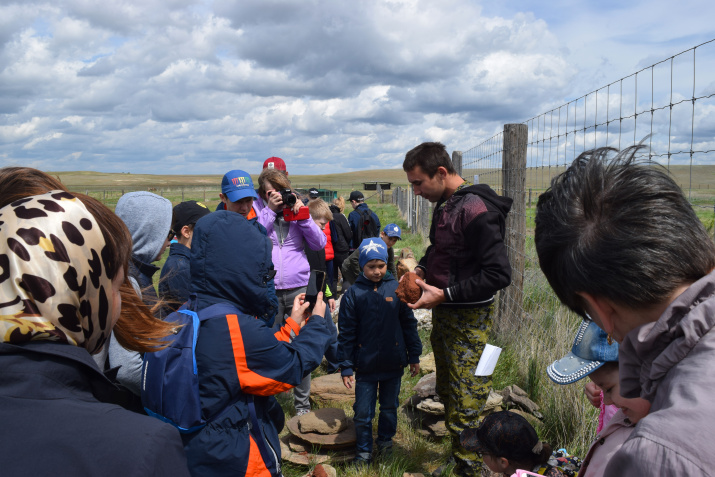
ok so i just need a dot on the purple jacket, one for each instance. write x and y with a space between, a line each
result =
670 363
289 260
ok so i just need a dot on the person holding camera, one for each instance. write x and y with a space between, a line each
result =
290 228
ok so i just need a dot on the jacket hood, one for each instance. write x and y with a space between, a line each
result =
148 218
501 204
334 208
231 263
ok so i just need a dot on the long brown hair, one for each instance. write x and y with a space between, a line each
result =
137 329
277 178
20 182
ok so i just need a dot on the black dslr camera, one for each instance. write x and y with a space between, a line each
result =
288 198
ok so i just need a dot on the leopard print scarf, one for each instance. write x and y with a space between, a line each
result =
52 285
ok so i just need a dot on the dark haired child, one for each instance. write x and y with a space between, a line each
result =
507 442
378 339
176 273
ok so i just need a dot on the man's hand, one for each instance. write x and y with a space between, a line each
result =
414 369
331 304
431 296
593 394
348 381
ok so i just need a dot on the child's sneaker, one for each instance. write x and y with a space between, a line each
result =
302 412
360 462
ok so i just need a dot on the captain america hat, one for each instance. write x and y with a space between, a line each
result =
237 185
589 352
393 230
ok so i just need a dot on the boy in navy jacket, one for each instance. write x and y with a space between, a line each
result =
378 339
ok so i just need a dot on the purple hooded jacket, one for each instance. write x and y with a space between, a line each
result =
289 260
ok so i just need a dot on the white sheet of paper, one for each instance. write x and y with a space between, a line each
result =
488 360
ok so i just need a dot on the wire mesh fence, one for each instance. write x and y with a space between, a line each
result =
670 107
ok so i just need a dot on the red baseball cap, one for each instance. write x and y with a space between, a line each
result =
274 163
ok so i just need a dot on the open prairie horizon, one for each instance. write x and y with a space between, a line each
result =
701 177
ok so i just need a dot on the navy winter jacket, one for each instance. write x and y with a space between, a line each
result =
57 418
354 218
176 276
239 357
378 333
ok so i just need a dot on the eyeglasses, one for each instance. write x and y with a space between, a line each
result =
171 235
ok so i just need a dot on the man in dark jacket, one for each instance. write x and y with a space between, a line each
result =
364 223
464 266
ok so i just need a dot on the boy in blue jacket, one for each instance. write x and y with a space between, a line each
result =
378 339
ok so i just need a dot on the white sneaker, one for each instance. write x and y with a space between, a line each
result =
302 412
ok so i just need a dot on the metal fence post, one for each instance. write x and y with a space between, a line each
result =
514 184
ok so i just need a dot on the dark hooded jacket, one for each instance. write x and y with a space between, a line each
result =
467 257
57 417
239 358
340 232
378 332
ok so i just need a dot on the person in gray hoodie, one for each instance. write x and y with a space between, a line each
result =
148 218
620 244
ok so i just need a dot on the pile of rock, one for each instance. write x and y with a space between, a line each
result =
321 436
426 412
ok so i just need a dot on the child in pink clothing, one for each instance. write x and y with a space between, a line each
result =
592 356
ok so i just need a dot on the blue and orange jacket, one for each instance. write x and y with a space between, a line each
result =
239 358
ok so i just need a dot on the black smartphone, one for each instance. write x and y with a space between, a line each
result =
316 282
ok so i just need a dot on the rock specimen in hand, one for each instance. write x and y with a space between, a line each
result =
408 291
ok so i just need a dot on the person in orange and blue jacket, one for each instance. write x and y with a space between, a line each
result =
242 363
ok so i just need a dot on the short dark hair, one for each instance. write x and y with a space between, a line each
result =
429 156
621 229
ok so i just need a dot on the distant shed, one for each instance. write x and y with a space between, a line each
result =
373 185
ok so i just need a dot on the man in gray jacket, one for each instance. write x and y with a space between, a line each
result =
620 244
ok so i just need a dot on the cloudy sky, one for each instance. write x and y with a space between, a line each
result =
202 86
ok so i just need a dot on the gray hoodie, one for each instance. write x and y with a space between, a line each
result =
671 363
148 217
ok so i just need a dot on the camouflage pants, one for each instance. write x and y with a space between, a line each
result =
458 339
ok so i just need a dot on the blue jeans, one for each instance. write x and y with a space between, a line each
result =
366 393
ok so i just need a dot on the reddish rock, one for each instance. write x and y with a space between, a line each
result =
408 291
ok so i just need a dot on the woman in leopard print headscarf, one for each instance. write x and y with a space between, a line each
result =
56 284
62 263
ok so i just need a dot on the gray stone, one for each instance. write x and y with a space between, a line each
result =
438 429
426 386
427 364
330 388
430 406
324 421
516 396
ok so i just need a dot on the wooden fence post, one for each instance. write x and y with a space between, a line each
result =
457 161
514 183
